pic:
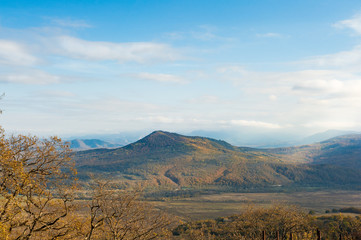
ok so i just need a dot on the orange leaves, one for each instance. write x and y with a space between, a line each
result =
35 179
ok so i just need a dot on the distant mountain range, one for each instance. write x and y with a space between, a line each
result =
86 144
248 138
171 160
117 140
323 136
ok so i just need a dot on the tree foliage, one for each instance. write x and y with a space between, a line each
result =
36 183
278 219
117 215
37 186
339 225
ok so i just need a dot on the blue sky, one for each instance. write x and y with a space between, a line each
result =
85 67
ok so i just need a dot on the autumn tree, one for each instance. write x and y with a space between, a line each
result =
281 220
250 224
36 184
336 226
116 214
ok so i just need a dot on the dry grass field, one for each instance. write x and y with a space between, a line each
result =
217 205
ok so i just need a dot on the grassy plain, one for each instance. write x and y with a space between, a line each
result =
225 204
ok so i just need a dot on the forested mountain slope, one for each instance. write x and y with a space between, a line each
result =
341 151
170 159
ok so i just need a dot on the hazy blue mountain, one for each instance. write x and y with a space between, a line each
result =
342 151
250 137
247 137
119 139
86 144
322 136
268 139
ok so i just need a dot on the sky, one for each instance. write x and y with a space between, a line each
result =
90 67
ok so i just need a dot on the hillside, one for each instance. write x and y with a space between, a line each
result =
342 151
172 160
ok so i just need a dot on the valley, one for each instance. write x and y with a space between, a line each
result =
197 178
226 204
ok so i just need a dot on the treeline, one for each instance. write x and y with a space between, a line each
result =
276 222
345 210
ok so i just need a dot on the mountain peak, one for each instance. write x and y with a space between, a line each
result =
160 132
161 139
170 159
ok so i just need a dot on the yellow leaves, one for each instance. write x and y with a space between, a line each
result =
35 190
4 232
37 182
116 214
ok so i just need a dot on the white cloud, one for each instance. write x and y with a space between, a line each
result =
353 23
58 94
295 97
336 124
269 35
160 77
175 35
309 82
206 33
247 123
233 73
319 85
316 81
206 99
140 52
272 97
115 106
68 22
161 119
12 53
30 77
329 87
346 59
232 69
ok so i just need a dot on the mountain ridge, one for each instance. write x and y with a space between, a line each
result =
170 159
